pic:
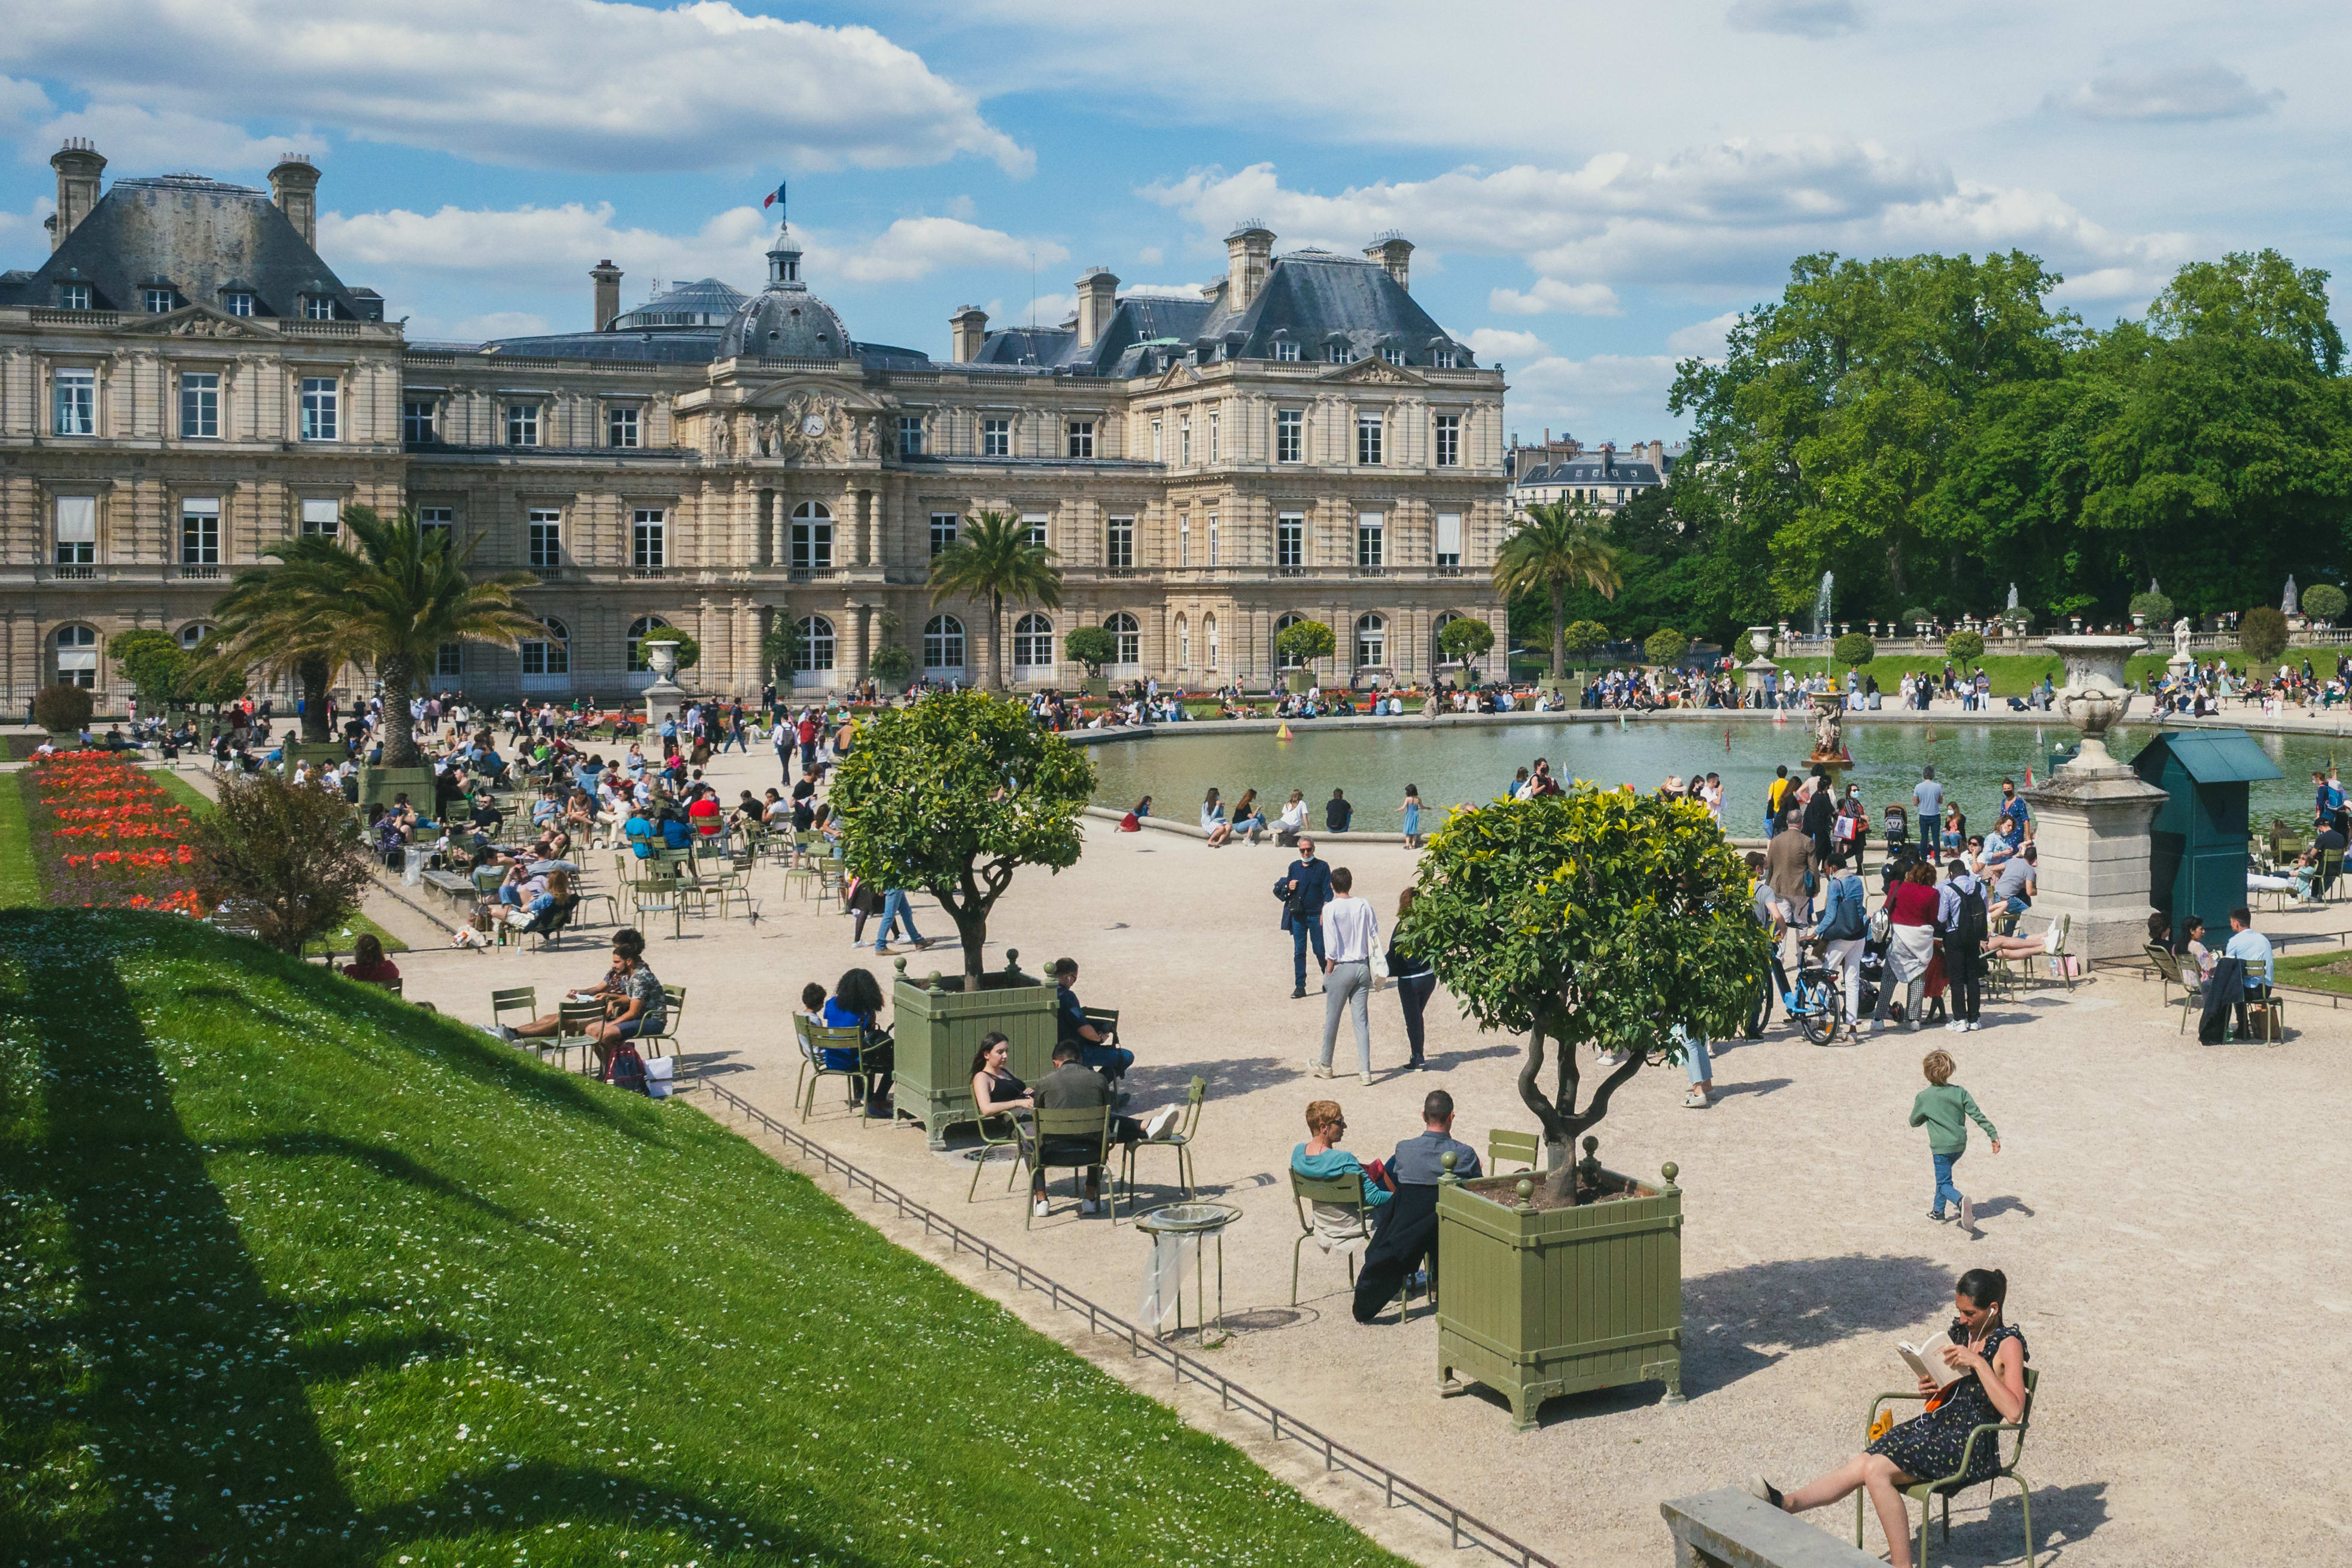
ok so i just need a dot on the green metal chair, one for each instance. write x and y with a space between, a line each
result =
2331 874
1924 1493
1519 1148
672 1010
658 895
523 999
1179 1140
1339 1192
815 1066
571 1032
1089 1126
2167 966
989 1144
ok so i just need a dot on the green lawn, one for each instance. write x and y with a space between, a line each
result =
20 879
2327 970
294 1267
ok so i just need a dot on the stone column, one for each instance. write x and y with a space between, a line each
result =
869 522
849 671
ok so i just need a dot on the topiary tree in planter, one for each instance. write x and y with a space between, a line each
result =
1302 643
1665 645
2262 632
2153 608
1092 646
1918 615
1464 640
1591 918
2324 602
892 665
62 709
1854 650
1584 639
1962 647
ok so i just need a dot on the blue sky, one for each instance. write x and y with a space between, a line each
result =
1593 191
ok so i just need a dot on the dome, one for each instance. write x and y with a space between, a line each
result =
785 321
706 302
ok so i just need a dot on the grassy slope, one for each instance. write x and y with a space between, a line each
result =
293 1265
2310 970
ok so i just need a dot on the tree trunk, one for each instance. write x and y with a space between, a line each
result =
399 726
1559 640
972 929
996 682
314 675
1555 1128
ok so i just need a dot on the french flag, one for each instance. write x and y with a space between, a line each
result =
773 197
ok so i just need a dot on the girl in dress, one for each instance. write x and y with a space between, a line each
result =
1411 809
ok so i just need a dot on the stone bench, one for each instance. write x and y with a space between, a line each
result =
1729 1529
456 885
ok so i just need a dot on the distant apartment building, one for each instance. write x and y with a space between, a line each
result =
1566 470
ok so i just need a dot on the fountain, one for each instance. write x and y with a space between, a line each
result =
2094 813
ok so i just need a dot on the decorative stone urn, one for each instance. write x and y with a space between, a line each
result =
662 658
2095 694
2093 817
663 697
1760 639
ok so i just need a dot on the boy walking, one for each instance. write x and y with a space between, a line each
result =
1946 1109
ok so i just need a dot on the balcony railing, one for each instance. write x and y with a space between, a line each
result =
649 572
72 573
189 571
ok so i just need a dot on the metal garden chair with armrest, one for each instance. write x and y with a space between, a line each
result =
658 895
1925 1492
844 1053
1519 1148
1180 1139
1339 1192
1009 1124
2169 966
673 1009
1083 1134
523 999
572 1019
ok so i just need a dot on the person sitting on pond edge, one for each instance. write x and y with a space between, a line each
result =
1337 812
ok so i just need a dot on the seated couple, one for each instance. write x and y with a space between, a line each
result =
1400 1197
1070 1086
856 1003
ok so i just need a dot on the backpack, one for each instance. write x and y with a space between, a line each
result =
626 1070
1969 918
1845 923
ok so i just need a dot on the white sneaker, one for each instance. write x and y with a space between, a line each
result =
1367 1079
1974 1025
1041 1209
1956 1027
1090 1206
1163 1122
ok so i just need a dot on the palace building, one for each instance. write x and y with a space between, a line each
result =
183 381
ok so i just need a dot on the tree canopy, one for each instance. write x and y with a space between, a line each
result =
994 562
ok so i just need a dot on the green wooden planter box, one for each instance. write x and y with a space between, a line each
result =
381 784
325 751
1538 1304
935 1030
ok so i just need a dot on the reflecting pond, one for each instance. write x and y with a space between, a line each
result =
1476 763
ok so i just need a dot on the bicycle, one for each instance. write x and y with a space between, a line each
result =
1816 1003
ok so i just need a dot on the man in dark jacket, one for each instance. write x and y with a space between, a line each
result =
1338 813
1820 812
1304 889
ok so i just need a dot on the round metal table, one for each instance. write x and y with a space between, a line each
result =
1202 1221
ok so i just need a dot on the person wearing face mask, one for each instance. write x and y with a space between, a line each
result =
1304 888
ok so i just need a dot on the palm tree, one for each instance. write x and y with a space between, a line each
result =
1560 545
994 561
266 622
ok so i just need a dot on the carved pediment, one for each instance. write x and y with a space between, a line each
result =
1376 373
1182 373
204 321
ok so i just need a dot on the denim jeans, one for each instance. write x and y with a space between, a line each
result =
1697 1058
1945 1191
1301 932
1110 1060
894 907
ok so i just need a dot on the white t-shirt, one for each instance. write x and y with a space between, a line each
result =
1350 928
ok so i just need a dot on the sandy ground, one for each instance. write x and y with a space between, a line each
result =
2188 1313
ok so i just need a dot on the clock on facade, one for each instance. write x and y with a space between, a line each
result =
813 426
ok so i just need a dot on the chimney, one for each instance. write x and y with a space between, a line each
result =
294 186
1097 298
608 294
969 327
1250 252
1395 253
78 166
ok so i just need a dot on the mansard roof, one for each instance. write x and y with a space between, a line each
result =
205 237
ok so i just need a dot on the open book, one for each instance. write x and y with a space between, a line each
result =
1926 1360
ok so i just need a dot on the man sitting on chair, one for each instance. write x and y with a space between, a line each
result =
1073 1086
1070 1023
1408 1225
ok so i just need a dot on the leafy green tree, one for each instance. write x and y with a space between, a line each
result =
1557 544
2262 632
1665 645
1092 646
892 664
1963 645
994 562
287 859
1591 917
2323 601
2155 607
1919 614
289 620
779 643
1584 639
1854 650
152 661
2251 297
1465 638
1305 642
955 794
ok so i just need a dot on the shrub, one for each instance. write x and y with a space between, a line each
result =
62 709
288 860
1307 641
2155 607
1854 650
1585 638
1092 646
1917 614
1962 647
2323 601
892 665
1665 645
2263 633
1466 639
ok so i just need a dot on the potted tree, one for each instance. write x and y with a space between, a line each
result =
1589 920
1584 639
2324 602
1962 647
892 665
952 796
1666 646
1465 641
2150 607
1094 647
64 710
1853 651
1301 643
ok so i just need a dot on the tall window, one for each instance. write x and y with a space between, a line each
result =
157 300
449 660
77 655
199 405
76 403
1036 521
318 307
1284 350
1082 438
1183 540
943 532
648 538
77 530
1290 542
73 296
237 303
813 539
1372 539
636 648
1213 435
318 408
550 653
1367 438
416 420
1212 538
322 516
1371 642
943 644
812 649
996 438
522 424
1184 644
1126 635
1033 641
1449 440
1119 543
1290 427
910 435
200 530
1449 540
1184 440
439 523
543 539
1288 660
1155 441
1209 627
621 425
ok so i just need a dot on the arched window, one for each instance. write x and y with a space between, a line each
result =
1438 656
77 655
812 539
943 644
193 634
812 649
1033 641
548 654
1184 644
1371 642
1209 625
1289 661
638 630
1128 635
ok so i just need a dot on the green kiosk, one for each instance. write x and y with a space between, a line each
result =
2198 842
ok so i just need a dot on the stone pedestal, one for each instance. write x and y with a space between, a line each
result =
662 699
1756 670
2090 832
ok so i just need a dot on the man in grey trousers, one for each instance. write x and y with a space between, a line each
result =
1351 932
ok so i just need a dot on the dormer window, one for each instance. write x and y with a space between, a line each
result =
318 307
73 296
1286 351
1446 359
1336 352
158 301
237 302
1394 356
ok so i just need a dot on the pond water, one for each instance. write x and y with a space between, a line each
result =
1475 764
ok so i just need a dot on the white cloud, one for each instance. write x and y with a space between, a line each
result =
1492 343
144 140
21 102
1797 18
1045 311
1603 389
1151 255
913 249
2209 91
569 83
1701 339
1550 294
17 229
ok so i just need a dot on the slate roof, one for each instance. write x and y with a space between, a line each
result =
1583 471
204 236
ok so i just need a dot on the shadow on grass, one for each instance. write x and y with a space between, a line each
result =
390 1163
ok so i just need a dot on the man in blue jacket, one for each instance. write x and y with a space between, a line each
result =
1304 889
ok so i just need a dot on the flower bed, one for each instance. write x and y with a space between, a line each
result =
102 832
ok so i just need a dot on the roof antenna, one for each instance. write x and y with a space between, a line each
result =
1033 289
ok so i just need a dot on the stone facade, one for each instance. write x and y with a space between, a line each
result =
1306 445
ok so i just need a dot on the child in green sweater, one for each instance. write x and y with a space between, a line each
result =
1944 1109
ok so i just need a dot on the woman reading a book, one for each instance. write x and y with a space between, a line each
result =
1982 1381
